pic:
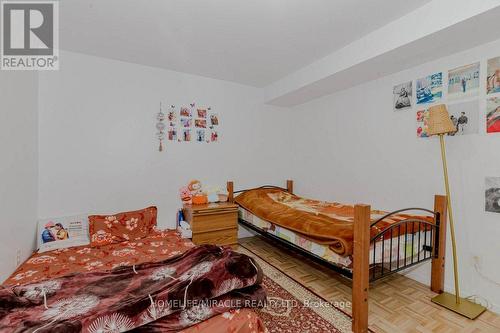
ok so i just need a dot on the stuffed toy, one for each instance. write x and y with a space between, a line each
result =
193 193
185 194
195 187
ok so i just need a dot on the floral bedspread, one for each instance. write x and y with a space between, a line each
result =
180 292
158 246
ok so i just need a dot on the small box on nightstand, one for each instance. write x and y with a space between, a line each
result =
214 223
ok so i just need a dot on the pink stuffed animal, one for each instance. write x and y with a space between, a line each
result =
185 194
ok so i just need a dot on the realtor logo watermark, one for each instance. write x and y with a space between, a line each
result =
30 35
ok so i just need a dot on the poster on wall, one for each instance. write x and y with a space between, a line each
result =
402 93
422 123
493 115
465 117
430 88
493 76
463 81
492 194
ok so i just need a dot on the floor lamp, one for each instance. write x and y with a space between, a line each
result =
439 123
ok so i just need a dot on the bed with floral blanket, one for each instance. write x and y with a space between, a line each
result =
159 245
165 286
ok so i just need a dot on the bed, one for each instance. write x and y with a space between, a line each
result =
158 246
392 248
31 292
362 244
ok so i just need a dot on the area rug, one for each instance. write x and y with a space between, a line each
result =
293 308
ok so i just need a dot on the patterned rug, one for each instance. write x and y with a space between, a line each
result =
293 308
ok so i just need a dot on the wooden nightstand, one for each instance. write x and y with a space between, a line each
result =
215 223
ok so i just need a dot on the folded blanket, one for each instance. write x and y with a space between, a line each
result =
129 297
328 223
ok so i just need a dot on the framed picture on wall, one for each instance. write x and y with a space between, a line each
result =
463 81
430 88
465 117
403 96
493 115
493 76
492 194
422 123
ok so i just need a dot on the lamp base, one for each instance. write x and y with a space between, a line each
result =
466 308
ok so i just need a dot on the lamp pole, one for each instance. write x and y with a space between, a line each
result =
450 214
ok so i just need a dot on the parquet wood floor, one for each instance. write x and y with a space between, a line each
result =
397 304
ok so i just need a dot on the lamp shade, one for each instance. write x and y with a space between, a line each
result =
439 121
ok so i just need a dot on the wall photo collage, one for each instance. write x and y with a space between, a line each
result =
190 123
463 96
463 92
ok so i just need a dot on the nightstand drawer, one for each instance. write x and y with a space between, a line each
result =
220 237
214 222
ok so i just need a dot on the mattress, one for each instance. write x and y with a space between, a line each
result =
158 246
406 251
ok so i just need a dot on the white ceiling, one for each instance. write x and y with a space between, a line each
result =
254 42
399 45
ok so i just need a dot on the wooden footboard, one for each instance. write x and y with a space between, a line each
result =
363 273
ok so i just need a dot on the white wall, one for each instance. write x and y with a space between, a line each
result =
18 167
99 153
352 147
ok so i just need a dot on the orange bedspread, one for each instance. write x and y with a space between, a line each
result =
323 222
160 245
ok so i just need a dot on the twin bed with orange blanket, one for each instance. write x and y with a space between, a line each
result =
39 294
326 229
358 242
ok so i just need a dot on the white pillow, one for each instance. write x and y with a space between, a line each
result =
62 232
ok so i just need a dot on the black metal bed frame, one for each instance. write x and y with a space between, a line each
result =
427 248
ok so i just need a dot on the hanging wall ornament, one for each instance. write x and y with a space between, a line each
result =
160 126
